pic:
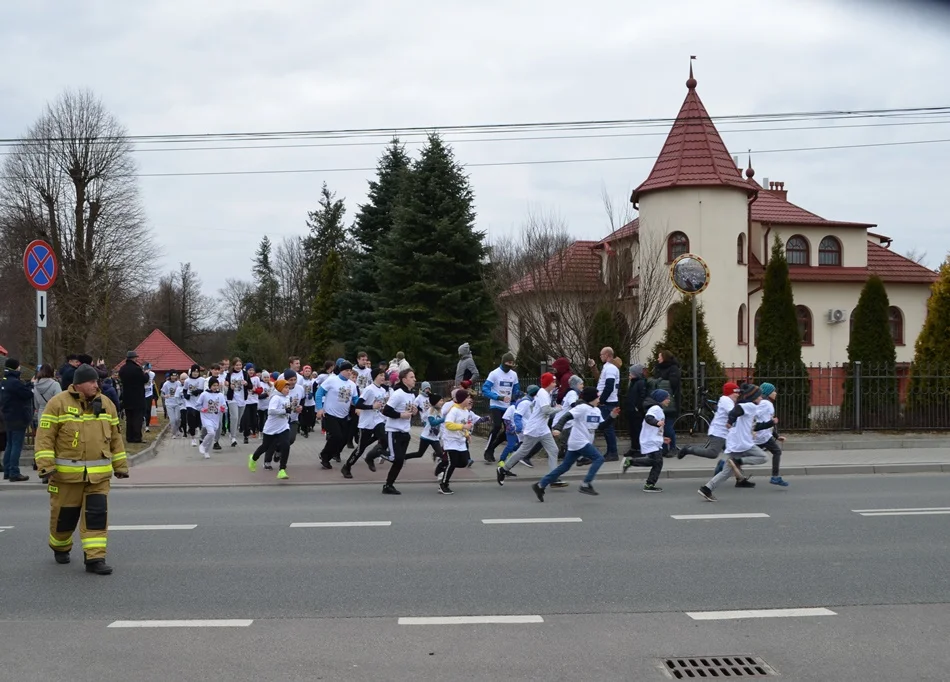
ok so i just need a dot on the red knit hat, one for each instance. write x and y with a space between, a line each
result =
729 388
547 379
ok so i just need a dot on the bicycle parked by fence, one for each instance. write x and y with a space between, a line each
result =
696 423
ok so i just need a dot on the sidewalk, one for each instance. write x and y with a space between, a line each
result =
176 463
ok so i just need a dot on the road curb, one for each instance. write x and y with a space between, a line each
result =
150 452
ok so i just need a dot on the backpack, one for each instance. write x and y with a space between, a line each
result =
653 384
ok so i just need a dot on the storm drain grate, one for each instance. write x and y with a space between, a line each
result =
716 667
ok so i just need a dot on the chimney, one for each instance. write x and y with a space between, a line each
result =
779 189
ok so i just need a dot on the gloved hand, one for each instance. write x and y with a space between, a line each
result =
121 474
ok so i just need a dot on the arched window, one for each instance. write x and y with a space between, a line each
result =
757 320
742 319
740 249
676 245
796 251
895 319
829 251
804 324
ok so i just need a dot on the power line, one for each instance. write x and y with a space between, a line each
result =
380 143
500 127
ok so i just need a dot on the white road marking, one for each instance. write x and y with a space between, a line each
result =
3 528
708 517
471 620
566 519
759 613
180 623
341 524
910 511
185 526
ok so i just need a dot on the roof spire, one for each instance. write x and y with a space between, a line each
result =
691 83
750 172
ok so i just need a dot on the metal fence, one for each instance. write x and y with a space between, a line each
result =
845 397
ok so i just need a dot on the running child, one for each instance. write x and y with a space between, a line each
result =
211 405
276 431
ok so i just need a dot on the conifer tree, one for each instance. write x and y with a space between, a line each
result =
373 222
871 345
325 321
327 233
268 290
928 396
606 331
778 344
678 340
429 268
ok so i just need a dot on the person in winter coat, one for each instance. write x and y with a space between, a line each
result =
67 370
133 379
108 390
16 403
667 376
636 394
466 369
563 374
44 389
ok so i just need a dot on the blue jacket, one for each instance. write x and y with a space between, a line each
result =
16 401
108 390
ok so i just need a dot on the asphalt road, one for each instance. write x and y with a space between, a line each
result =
613 590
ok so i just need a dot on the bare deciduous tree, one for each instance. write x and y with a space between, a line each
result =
71 182
236 302
552 286
179 309
919 256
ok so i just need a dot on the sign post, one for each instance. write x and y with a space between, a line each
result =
690 276
40 268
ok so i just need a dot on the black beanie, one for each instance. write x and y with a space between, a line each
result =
588 394
85 373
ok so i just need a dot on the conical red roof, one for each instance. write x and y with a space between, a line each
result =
162 353
694 155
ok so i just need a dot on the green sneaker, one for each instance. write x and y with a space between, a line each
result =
251 464
282 474
627 463
650 488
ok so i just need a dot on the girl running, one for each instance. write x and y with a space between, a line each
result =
276 431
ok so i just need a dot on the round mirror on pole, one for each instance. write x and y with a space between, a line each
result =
690 274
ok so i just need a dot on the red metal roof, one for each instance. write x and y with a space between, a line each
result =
627 230
162 353
694 154
771 207
891 267
576 268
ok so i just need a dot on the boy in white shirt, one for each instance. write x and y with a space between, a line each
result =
740 447
276 431
587 418
170 401
194 387
652 441
458 432
211 405
371 423
718 429
333 400
766 435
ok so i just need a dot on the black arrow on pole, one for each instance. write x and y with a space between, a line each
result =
42 308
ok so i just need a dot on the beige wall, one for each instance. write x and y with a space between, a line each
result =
854 248
712 218
830 341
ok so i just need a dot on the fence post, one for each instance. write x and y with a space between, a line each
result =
857 396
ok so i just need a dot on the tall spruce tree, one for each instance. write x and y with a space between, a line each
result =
327 234
872 345
373 222
429 268
325 313
268 290
928 396
778 344
678 340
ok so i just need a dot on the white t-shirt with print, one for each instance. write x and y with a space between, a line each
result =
765 413
651 437
339 396
278 420
584 425
236 380
212 406
609 371
296 397
455 440
400 401
252 397
369 417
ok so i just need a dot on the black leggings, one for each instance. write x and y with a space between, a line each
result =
437 450
377 435
261 418
183 421
194 421
250 420
279 442
337 429
457 459
497 435
308 418
398 444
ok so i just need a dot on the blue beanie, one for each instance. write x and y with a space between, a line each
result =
249 365
340 361
659 395
289 374
274 376
767 389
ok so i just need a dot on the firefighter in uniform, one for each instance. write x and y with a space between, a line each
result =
78 448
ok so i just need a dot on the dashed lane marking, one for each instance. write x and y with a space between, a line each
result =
567 519
471 620
180 623
341 524
184 526
760 613
710 517
910 511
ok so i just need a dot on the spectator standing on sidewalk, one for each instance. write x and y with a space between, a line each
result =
133 379
16 404
466 369
608 387
45 388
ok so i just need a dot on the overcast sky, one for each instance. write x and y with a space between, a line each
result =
214 66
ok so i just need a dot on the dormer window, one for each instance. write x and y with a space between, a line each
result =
676 245
796 251
829 251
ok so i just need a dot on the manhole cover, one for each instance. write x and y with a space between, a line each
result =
716 667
